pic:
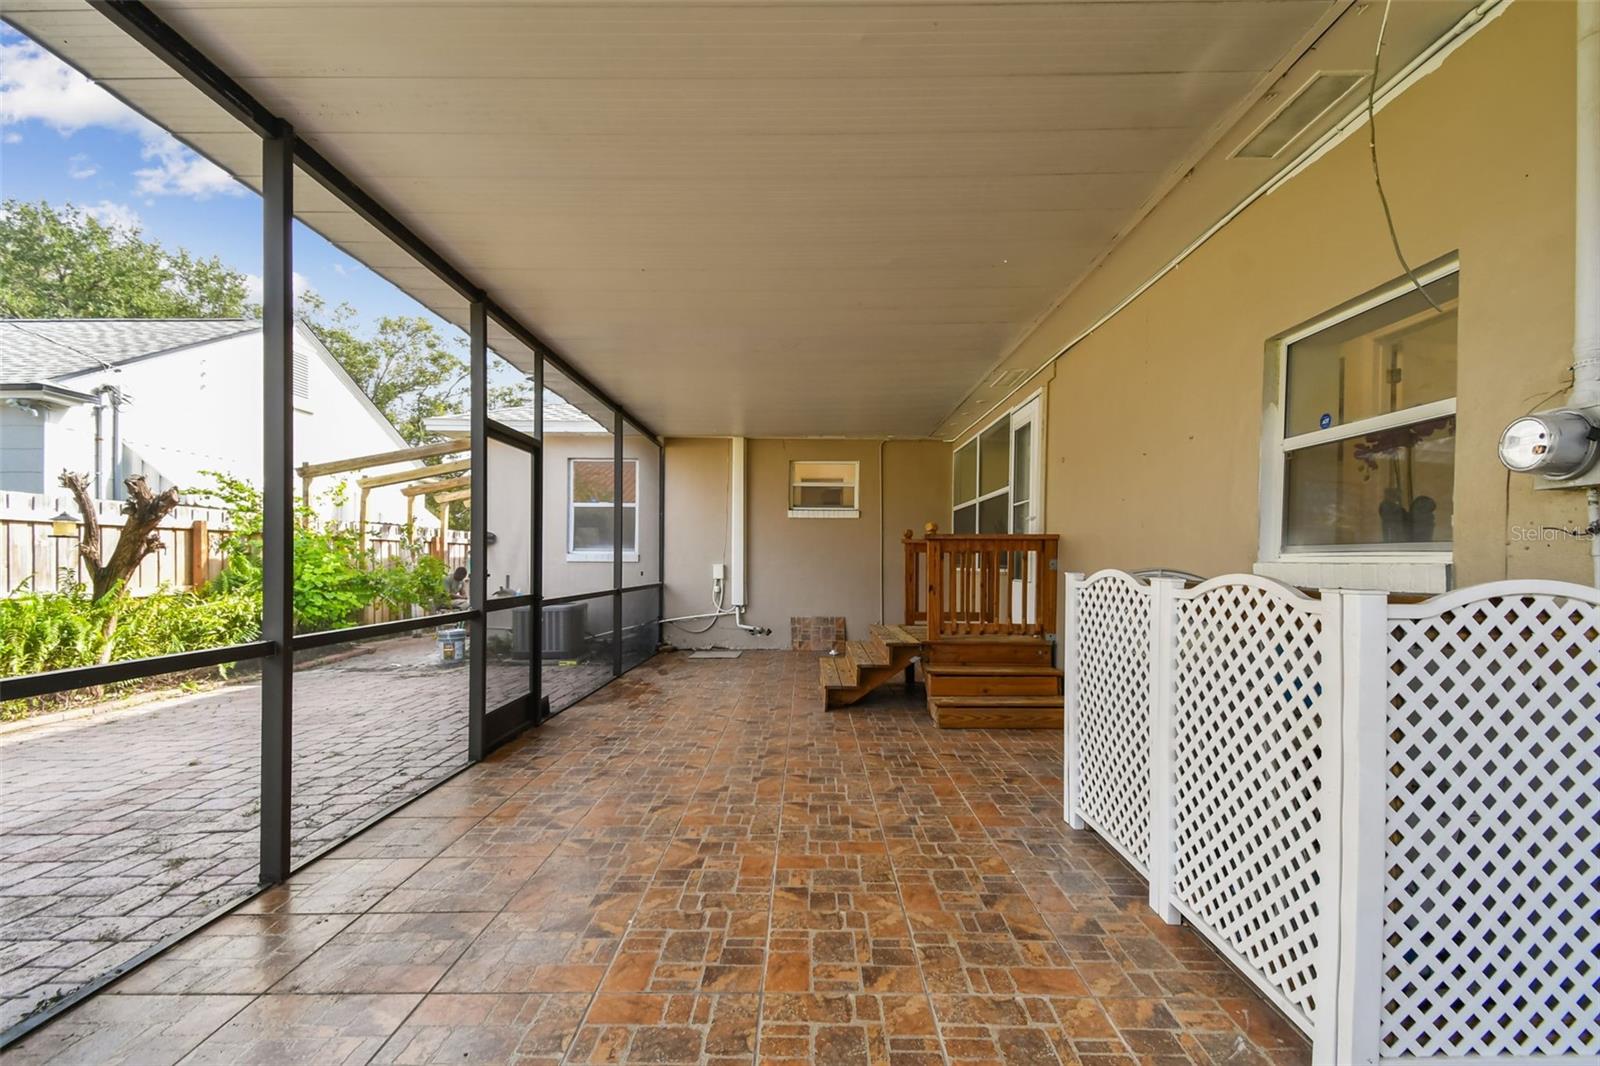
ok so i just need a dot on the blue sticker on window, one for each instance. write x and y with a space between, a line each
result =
1325 421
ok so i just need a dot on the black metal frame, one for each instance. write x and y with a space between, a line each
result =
277 528
51 682
282 154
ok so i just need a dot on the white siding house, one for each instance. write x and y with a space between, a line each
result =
179 397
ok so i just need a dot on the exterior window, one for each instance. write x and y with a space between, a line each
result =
993 480
1369 428
591 516
824 489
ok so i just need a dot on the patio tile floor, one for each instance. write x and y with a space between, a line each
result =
700 865
118 832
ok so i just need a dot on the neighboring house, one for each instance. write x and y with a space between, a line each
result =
578 501
172 399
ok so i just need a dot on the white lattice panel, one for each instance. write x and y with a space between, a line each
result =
1491 924
1251 683
1112 617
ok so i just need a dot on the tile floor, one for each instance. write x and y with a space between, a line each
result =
699 865
118 833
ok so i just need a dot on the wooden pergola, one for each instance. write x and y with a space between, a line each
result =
445 491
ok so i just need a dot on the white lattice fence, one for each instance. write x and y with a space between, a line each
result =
1386 815
1490 934
1254 700
1108 688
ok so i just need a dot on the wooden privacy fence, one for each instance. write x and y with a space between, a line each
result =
993 584
33 560
1382 813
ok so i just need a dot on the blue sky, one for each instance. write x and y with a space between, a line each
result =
65 140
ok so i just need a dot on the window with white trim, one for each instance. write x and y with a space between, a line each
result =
824 489
982 481
1368 431
591 510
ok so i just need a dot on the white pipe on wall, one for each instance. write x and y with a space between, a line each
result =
1586 272
1586 240
738 519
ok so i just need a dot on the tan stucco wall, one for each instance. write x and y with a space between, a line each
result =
508 496
796 566
1154 421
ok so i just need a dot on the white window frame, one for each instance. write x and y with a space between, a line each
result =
826 512
1035 463
1418 569
607 555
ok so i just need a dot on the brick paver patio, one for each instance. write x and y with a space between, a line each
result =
698 864
116 834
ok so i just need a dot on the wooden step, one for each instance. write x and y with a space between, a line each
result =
895 636
1015 650
996 712
1023 685
992 679
866 654
864 666
993 670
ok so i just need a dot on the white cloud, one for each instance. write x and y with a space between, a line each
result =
254 290
81 166
35 85
180 172
118 217
11 137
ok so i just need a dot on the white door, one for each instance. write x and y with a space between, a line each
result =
1027 503
1027 506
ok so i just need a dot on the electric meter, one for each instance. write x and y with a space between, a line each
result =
1554 444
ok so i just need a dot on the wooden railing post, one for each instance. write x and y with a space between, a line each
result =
1049 584
935 581
913 593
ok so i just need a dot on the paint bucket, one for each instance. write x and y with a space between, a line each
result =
452 645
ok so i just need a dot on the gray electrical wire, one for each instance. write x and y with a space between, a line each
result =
1377 175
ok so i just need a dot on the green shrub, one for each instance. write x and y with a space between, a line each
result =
58 630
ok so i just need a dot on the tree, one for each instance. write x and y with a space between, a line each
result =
108 575
65 263
407 367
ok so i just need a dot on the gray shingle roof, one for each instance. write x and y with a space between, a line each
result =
44 349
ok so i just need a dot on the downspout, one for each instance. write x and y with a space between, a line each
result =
99 446
739 520
1586 265
1586 273
882 610
116 443
736 521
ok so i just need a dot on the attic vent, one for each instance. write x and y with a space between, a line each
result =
1006 377
1315 99
302 376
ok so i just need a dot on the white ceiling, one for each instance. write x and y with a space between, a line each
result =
760 218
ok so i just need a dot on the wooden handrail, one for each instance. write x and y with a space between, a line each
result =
989 584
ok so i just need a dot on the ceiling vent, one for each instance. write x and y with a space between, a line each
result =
1302 111
1007 378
